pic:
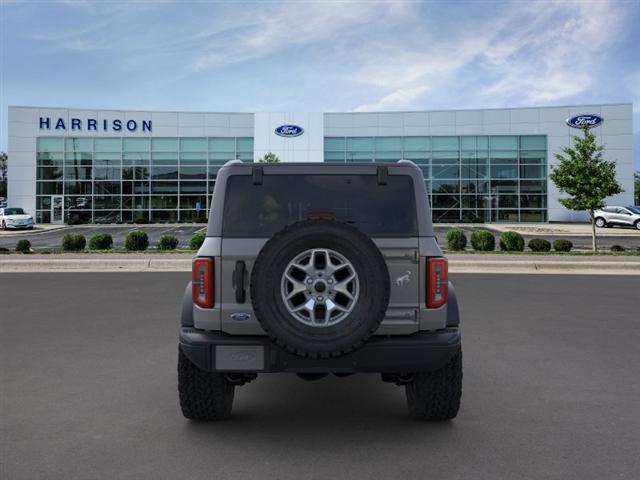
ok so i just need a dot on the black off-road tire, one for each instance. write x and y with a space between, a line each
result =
309 341
203 395
436 395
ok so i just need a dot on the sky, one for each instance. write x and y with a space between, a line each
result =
364 55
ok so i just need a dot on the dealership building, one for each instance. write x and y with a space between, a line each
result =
109 166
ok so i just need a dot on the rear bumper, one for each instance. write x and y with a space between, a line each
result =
215 351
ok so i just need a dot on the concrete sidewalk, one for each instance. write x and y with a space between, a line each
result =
458 263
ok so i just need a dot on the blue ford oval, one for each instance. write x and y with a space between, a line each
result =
582 120
289 131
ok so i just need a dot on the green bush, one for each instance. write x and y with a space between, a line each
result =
23 246
197 240
617 248
456 239
511 242
562 245
142 220
539 245
136 240
73 242
483 240
167 242
101 241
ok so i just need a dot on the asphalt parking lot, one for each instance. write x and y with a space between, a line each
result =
551 390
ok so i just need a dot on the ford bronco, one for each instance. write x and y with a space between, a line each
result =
317 269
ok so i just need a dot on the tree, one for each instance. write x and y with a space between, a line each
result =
269 157
585 176
3 174
636 187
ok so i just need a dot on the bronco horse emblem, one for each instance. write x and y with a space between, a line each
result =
403 279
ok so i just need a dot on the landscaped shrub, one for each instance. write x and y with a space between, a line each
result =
101 241
617 248
136 240
539 245
4 250
562 245
73 242
197 240
23 246
142 220
511 242
483 240
167 242
456 239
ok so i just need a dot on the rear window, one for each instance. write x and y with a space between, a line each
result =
262 210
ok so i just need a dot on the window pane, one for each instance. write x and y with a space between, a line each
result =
245 144
164 173
164 158
78 144
504 171
334 144
417 157
449 158
359 144
192 173
483 143
508 201
388 143
417 143
108 144
533 156
49 144
532 142
359 156
475 186
193 187
220 158
164 216
445 186
193 145
533 216
504 186
77 173
136 144
106 201
49 173
446 216
532 171
475 171
107 188
509 156
505 216
503 142
223 145
77 188
445 201
81 158
193 158
445 143
50 188
49 158
533 201
468 143
108 173
164 187
388 156
334 156
164 201
445 171
164 144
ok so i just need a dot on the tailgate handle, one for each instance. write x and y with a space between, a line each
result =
238 281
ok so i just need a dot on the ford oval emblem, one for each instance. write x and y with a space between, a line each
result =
289 131
240 317
583 120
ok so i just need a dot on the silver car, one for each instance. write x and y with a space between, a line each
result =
623 216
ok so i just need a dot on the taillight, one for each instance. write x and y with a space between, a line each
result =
202 282
437 282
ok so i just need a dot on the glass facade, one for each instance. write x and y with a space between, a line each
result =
111 180
500 178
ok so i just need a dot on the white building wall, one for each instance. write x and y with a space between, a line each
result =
308 147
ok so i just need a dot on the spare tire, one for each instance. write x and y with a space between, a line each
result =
320 288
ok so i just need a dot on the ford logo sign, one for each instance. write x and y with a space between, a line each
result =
583 120
289 131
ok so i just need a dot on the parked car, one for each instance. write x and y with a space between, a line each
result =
3 202
319 269
15 218
623 216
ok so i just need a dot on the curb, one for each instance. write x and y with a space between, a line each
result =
184 265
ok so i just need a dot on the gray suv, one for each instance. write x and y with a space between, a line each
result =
318 269
622 216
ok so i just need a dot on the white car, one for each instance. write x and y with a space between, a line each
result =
623 216
15 218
